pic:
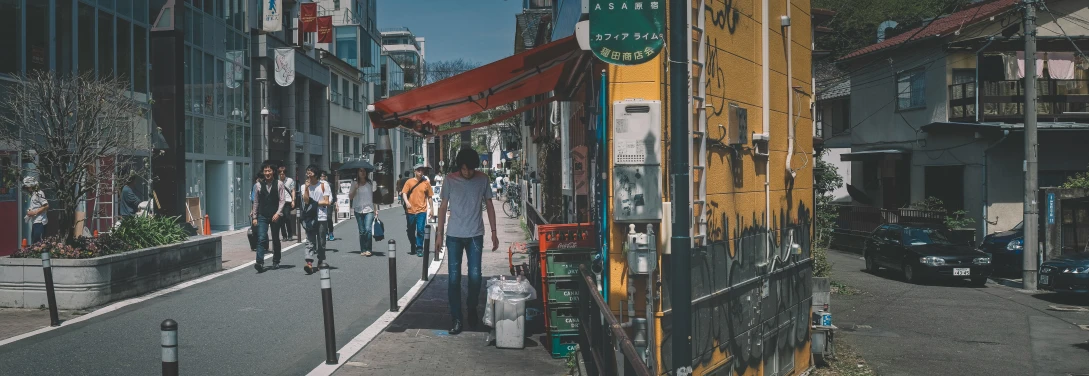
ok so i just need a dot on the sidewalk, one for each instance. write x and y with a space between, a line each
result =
417 343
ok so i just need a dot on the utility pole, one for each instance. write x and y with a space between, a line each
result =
1031 227
680 141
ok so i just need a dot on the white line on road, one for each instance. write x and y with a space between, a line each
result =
360 341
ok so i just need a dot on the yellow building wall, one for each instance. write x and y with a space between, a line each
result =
738 328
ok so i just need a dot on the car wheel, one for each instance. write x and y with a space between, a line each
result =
910 274
871 265
979 281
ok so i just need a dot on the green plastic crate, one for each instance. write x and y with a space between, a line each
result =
563 291
563 344
566 264
563 319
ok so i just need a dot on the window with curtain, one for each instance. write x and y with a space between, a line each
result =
911 89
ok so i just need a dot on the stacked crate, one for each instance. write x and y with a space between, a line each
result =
563 248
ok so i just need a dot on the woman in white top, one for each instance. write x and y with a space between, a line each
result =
362 197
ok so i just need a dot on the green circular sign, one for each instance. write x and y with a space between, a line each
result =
627 32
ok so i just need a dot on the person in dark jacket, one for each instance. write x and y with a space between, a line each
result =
268 205
130 203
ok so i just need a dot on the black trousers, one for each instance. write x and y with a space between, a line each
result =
288 221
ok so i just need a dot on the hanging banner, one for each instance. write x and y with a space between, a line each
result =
235 69
627 32
308 15
270 15
285 66
325 29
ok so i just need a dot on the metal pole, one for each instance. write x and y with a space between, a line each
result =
1031 227
169 335
426 248
50 293
391 255
327 311
680 143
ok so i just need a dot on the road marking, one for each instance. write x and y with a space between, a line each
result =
124 303
360 341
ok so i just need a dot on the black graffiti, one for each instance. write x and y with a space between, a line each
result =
725 18
716 81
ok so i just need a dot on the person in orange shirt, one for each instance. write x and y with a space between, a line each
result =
416 194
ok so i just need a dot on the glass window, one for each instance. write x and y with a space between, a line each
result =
124 44
347 144
209 80
10 20
108 4
246 140
221 95
245 92
198 27
195 81
139 59
139 11
124 7
198 135
355 145
911 89
189 134
232 141
105 44
37 36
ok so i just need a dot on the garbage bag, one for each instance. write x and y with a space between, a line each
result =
500 289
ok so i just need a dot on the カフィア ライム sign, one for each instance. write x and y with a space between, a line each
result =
627 32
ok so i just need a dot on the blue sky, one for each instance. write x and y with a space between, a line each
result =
477 30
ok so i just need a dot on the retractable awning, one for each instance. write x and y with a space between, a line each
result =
551 67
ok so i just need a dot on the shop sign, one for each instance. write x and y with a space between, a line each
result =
627 32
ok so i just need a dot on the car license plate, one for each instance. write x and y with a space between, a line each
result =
962 271
1045 280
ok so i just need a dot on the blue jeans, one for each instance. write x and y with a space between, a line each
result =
316 235
364 221
473 246
263 224
416 223
37 231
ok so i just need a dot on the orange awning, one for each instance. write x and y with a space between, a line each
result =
551 67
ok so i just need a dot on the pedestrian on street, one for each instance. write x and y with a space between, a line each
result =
316 198
331 223
130 203
464 192
362 198
416 195
37 213
287 224
267 207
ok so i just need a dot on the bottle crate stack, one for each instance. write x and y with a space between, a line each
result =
563 248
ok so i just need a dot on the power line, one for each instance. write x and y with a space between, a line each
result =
1044 5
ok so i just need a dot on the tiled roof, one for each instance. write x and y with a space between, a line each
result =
838 90
941 26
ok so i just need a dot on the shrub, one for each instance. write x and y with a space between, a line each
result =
145 232
79 248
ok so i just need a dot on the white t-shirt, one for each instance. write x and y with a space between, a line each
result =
37 201
289 186
363 202
318 192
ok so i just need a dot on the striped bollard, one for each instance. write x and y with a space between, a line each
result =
169 329
392 256
50 292
424 252
327 310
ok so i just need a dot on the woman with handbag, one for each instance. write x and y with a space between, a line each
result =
362 198
317 196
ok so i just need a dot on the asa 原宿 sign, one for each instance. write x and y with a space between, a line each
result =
627 32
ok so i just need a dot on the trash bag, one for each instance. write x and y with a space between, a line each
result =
501 289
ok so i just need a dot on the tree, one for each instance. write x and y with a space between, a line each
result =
826 179
855 23
70 123
443 69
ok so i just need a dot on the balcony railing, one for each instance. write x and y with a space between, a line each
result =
602 341
334 97
1057 100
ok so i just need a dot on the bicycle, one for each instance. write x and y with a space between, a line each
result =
512 207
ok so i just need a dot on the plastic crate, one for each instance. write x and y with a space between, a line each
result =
563 319
560 264
567 236
563 344
562 291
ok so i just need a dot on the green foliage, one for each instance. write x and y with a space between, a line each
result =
1081 180
78 248
855 23
954 220
825 179
145 232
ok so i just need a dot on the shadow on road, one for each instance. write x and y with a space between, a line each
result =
1076 300
896 275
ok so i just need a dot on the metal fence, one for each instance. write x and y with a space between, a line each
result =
604 345
867 218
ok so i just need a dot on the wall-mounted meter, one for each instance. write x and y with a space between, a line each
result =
637 160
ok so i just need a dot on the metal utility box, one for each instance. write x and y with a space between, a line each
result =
637 160
737 131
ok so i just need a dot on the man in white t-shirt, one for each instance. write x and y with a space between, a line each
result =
287 223
317 195
37 213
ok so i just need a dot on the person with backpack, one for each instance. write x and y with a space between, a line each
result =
416 195
316 198
287 225
331 222
362 199
464 191
268 205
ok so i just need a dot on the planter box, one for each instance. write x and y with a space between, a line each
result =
86 283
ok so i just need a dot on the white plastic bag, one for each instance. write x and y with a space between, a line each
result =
502 288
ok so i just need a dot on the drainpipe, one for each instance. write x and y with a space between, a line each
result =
787 41
766 75
986 166
978 55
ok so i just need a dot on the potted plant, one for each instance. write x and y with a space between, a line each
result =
960 231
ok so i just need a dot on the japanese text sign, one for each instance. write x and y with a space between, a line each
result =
627 32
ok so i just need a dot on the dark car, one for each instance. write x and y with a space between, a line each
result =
1006 249
923 252
1068 273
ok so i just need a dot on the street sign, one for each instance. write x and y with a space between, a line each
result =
627 32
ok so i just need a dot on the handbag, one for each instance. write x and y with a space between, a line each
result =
409 194
378 230
310 208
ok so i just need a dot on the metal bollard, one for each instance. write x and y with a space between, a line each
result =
392 256
169 330
426 248
327 309
50 294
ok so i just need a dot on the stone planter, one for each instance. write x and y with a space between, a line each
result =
963 236
86 283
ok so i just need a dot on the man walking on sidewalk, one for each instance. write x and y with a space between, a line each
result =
316 198
416 195
464 191
288 222
267 206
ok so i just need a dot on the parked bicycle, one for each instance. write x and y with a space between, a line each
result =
512 207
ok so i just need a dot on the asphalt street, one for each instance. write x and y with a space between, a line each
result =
951 328
242 323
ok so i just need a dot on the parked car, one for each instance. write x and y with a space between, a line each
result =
1007 249
924 252
1068 273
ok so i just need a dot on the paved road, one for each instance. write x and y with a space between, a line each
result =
954 329
242 323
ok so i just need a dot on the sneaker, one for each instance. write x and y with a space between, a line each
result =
275 265
367 253
260 268
309 268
